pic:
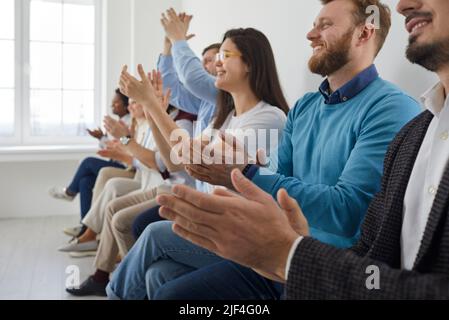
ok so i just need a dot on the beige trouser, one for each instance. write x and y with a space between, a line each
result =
114 188
105 175
116 235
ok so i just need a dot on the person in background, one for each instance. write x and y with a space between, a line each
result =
136 151
116 237
84 180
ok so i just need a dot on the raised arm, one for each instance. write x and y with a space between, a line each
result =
182 98
192 73
189 68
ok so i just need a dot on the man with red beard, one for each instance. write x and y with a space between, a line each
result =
330 160
403 251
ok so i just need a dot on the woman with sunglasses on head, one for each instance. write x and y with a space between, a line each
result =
250 97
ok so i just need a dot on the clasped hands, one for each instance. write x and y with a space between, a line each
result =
114 150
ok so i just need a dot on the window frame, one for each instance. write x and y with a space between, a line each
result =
22 111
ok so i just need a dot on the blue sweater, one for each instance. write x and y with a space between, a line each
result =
331 157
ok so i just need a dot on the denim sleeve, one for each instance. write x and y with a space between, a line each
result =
181 98
192 73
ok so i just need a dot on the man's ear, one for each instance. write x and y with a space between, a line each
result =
366 32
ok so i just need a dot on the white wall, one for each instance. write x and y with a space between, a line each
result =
133 35
286 23
24 188
117 45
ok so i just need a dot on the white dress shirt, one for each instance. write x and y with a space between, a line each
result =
426 175
423 185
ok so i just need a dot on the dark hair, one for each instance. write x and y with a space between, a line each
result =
360 17
171 108
215 46
122 97
258 55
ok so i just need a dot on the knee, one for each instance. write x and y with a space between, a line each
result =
112 186
118 223
111 209
87 162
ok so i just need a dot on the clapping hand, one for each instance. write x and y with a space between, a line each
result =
116 128
96 133
142 90
176 26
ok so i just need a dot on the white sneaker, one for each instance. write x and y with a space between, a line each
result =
73 232
60 193
76 246
83 254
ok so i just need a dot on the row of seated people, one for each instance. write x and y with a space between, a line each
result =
286 221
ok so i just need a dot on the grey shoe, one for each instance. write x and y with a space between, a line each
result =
60 193
75 246
83 254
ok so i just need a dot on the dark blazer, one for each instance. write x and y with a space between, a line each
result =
319 271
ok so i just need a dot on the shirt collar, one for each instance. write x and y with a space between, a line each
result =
350 89
433 100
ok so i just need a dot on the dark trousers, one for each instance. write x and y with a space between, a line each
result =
84 180
144 219
221 281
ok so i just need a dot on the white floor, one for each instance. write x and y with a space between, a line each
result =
30 265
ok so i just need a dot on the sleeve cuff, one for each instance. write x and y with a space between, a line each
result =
137 164
291 254
160 164
179 45
251 172
102 143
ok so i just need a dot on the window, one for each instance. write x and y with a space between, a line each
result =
7 74
52 95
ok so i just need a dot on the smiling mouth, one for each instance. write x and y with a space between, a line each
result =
418 27
416 22
317 48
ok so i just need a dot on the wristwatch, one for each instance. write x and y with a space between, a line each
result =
125 140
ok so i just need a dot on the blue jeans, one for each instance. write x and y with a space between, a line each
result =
158 245
221 281
84 180
144 219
